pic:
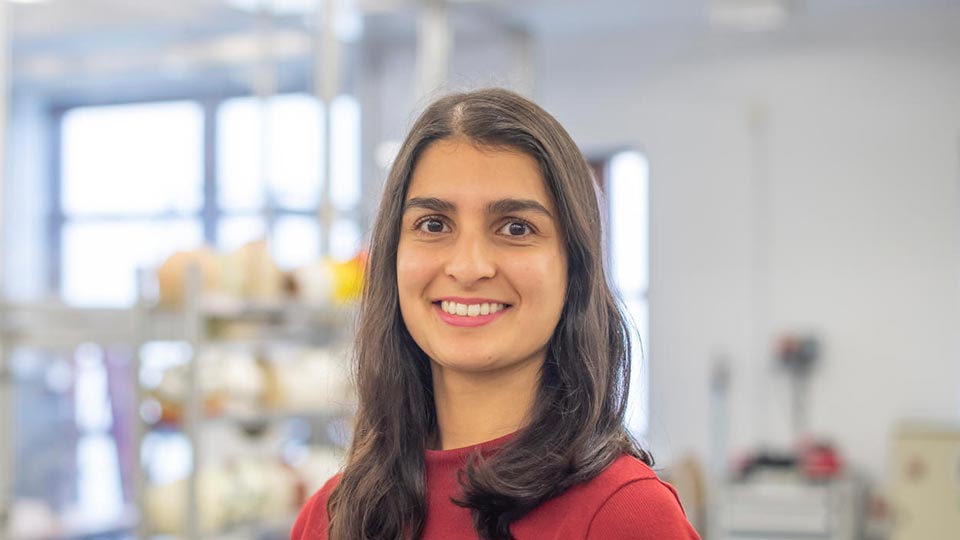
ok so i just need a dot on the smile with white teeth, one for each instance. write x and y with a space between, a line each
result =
470 310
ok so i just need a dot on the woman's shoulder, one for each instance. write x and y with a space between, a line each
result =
626 501
627 468
637 505
626 475
312 522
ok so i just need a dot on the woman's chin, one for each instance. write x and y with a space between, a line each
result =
470 364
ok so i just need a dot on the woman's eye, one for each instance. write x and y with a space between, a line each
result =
516 228
431 225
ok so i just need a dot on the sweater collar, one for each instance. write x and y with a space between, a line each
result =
458 456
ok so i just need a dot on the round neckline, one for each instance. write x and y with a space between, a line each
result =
457 454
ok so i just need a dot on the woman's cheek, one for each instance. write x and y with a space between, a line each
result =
543 267
415 268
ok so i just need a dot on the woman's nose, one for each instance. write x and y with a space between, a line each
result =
471 259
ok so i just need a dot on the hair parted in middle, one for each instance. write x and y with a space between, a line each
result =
576 428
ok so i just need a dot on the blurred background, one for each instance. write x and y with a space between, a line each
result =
187 187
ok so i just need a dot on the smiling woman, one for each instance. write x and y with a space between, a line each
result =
493 242
480 256
492 359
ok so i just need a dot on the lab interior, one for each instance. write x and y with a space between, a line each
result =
187 191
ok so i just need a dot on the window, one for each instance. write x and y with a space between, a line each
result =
278 140
131 193
134 179
269 156
628 195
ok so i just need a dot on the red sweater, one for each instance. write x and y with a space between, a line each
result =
625 502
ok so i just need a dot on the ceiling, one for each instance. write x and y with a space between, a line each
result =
56 18
56 39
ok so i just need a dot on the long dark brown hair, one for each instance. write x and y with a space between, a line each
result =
576 428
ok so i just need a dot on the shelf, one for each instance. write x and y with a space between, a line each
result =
275 416
250 323
57 325
272 530
77 528
258 310
266 417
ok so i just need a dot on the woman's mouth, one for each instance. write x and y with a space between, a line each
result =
471 310
475 314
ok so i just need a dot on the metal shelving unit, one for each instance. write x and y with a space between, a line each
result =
280 322
60 327
52 326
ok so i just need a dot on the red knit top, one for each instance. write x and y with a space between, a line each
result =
625 502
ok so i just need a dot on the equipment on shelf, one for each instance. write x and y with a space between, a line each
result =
250 274
798 355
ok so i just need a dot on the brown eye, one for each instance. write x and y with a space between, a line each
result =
431 225
516 229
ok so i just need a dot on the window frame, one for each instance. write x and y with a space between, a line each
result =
600 165
210 213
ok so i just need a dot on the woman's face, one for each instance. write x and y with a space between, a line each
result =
481 266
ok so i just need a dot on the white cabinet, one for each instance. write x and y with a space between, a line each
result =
787 508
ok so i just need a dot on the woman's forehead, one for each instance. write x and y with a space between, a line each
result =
465 174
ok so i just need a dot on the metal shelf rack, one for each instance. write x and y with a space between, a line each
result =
53 326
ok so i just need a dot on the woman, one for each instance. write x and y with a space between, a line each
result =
492 359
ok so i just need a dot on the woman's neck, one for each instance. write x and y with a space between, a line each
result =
477 407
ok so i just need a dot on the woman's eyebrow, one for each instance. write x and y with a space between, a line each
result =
429 203
510 206
498 207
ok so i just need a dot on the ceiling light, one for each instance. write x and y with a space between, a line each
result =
275 7
749 14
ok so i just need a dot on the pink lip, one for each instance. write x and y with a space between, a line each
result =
465 300
465 321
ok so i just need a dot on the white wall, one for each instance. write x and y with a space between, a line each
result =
803 180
